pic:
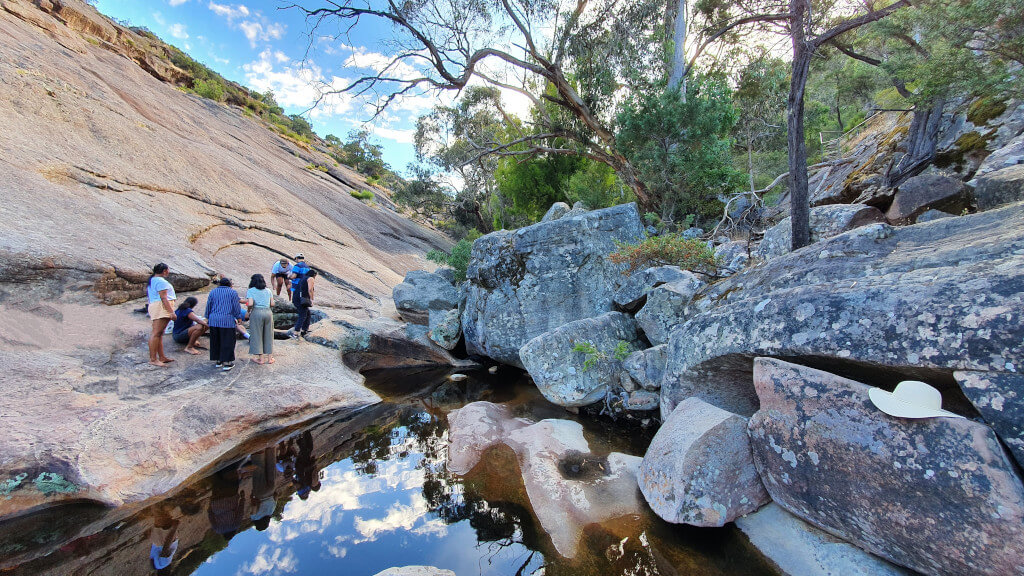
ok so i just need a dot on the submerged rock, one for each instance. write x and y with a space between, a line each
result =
913 302
799 549
665 307
937 494
698 469
422 292
999 397
568 486
826 221
526 282
415 571
570 377
632 295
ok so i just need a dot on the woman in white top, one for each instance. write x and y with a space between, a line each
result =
161 311
261 320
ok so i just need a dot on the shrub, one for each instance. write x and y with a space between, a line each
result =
591 355
208 89
458 258
362 194
318 167
668 250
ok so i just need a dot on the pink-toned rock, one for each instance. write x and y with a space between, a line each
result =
698 469
938 495
568 486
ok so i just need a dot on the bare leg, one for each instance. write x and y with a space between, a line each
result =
277 285
193 336
156 342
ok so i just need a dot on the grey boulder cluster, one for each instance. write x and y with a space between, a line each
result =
761 379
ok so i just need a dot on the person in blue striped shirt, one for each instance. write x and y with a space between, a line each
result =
223 310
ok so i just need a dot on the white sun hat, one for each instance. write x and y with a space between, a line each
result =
910 399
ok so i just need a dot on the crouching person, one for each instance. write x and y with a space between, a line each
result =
188 326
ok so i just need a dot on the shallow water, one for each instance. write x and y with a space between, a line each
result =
359 494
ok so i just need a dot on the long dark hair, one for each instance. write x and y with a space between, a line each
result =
158 269
258 282
189 302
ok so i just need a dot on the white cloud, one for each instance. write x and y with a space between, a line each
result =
228 11
296 85
261 32
400 136
271 561
159 18
178 31
176 2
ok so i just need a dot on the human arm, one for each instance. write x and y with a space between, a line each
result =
310 282
195 318
236 307
166 302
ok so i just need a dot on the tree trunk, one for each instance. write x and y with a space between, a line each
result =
750 161
799 203
920 143
677 77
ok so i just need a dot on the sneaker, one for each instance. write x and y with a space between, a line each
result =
219 364
227 367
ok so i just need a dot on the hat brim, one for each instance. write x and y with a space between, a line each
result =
887 402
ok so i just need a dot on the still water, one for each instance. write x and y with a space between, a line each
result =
359 494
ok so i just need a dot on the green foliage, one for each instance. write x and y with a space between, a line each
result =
529 187
984 109
422 192
362 194
622 350
596 185
681 149
210 89
362 154
458 258
316 167
590 352
666 250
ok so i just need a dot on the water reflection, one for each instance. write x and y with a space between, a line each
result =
369 492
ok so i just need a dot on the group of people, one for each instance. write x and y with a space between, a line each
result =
225 316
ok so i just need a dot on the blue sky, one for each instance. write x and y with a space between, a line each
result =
259 45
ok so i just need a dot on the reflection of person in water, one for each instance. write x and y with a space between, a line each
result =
263 480
306 476
163 537
286 457
228 501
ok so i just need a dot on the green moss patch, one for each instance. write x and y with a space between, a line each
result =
984 109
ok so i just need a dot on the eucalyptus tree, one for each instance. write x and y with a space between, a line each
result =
809 25
569 58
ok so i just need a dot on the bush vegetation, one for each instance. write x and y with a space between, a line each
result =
458 258
666 250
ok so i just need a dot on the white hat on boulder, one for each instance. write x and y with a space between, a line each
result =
910 399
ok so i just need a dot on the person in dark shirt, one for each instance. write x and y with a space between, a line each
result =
189 326
223 310
303 300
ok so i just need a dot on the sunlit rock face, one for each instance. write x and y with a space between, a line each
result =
698 469
526 282
909 302
568 486
938 495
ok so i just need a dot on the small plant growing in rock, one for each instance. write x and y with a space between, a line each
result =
667 250
622 350
361 194
590 352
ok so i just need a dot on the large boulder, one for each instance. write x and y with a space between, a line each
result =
825 221
568 486
698 468
799 549
999 187
421 292
569 376
924 192
937 494
914 302
383 343
445 328
999 397
732 256
664 307
633 293
526 282
557 210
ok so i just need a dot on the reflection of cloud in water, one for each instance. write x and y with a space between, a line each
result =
271 562
399 517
